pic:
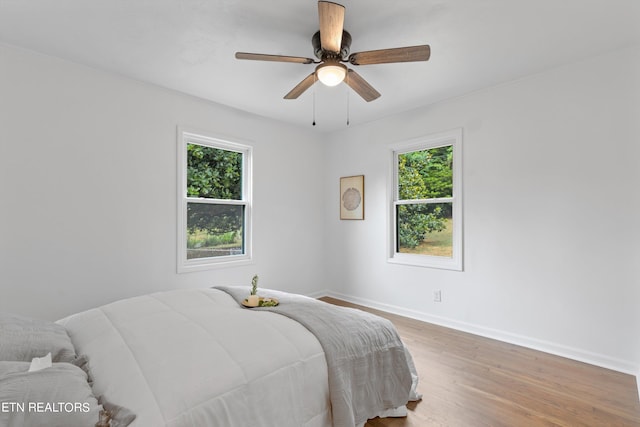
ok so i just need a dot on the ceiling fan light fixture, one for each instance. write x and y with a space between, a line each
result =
332 46
331 73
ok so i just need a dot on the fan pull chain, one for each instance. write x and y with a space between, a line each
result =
348 102
315 79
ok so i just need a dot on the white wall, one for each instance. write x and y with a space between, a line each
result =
88 189
551 211
636 231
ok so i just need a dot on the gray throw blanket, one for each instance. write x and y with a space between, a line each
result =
368 369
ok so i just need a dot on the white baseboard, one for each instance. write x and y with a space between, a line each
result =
535 344
319 294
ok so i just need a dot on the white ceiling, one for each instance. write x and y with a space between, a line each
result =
189 45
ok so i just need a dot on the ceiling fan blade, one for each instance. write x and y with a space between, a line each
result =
331 25
302 86
360 85
386 56
275 58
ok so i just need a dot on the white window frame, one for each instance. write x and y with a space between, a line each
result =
186 137
454 138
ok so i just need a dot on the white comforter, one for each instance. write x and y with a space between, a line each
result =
195 358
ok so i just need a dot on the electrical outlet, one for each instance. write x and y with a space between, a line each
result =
437 296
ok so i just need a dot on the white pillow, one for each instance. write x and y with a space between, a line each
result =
58 396
24 338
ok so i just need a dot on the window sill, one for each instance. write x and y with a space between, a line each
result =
208 264
427 261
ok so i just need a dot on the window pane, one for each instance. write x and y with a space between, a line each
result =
425 229
213 173
426 174
214 230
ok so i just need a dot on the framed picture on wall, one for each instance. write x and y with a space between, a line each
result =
352 197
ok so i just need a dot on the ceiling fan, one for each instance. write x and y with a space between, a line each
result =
331 46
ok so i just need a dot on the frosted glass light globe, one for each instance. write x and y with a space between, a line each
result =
331 73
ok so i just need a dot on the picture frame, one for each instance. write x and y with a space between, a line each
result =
352 197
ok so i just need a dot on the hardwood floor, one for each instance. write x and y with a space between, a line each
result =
471 381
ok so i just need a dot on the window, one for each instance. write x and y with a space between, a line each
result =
214 202
426 202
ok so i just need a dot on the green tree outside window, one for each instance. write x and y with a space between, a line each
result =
214 229
424 226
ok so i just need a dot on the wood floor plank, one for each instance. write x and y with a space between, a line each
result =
472 381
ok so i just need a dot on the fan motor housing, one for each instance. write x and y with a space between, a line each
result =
345 47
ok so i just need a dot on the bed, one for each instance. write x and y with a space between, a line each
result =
197 357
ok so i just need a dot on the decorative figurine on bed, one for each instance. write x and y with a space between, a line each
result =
253 300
